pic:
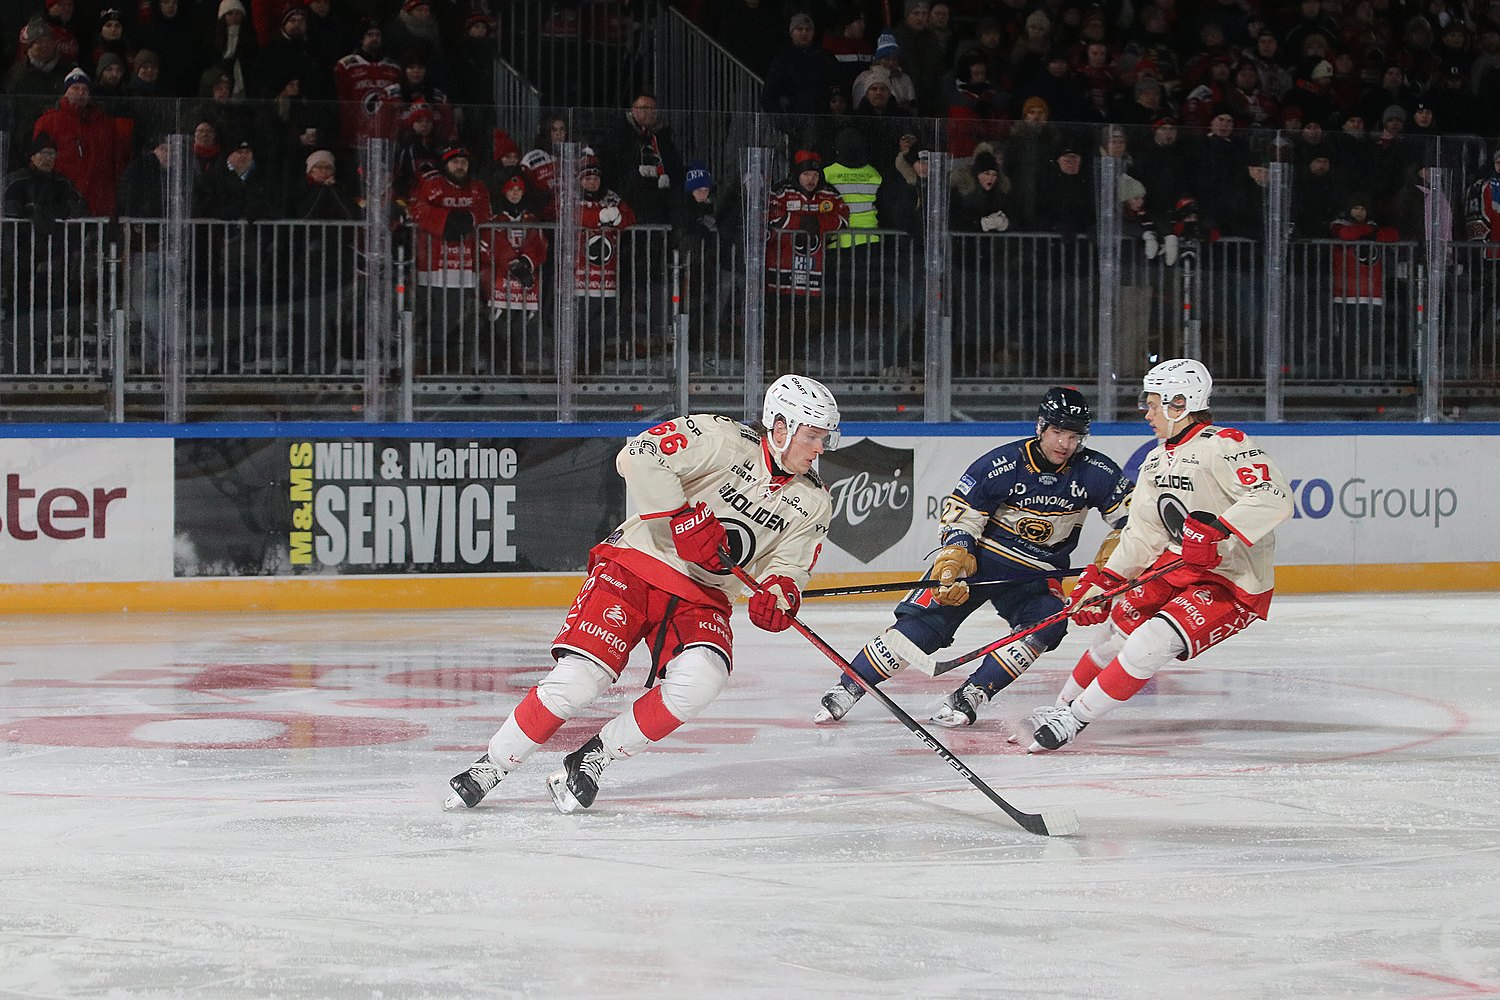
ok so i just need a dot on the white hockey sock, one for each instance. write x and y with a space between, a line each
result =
622 736
510 747
574 682
1095 659
693 679
1149 648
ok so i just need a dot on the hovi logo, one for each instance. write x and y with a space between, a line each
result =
871 488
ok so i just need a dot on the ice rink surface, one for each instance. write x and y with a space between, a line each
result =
248 806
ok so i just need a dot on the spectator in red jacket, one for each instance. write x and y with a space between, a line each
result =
362 80
518 249
91 152
596 267
448 210
1358 287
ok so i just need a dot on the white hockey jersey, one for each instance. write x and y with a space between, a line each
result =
775 523
1219 470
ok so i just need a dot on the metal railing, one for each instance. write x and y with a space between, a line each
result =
518 103
55 298
712 96
586 53
276 298
180 318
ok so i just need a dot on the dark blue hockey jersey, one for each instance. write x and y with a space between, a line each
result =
1012 512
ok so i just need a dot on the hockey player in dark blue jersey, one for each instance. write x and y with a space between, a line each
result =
1016 512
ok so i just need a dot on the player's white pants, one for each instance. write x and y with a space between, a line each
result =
694 678
1129 661
570 687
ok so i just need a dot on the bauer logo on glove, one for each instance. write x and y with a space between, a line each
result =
1201 535
697 535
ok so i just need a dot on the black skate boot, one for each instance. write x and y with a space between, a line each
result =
575 786
472 785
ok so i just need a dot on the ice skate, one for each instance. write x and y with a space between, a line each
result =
961 707
1056 725
837 701
575 786
472 785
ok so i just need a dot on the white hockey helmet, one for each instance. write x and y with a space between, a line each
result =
1181 382
799 400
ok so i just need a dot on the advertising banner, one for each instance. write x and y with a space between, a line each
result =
1360 499
304 506
85 510
105 510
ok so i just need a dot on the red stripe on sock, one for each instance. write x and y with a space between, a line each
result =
1119 685
1085 670
652 716
535 720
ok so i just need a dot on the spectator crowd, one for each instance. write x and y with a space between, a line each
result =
1192 100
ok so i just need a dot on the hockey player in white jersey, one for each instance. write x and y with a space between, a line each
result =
704 484
1205 492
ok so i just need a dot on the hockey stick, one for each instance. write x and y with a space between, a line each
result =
907 650
1052 823
928 584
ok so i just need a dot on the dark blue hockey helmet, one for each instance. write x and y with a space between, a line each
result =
1064 408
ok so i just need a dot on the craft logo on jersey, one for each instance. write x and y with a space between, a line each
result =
871 487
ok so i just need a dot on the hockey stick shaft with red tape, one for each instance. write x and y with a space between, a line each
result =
924 663
1053 823
928 584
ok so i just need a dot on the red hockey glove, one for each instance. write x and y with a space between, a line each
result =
1093 582
1201 535
772 606
698 535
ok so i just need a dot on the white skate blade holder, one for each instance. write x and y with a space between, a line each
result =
557 784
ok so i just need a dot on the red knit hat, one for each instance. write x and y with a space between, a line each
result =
504 145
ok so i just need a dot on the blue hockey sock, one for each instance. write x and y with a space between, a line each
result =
876 661
1000 668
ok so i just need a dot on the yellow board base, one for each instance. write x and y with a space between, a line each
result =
370 593
343 593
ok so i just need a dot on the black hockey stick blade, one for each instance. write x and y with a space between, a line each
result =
928 584
1049 823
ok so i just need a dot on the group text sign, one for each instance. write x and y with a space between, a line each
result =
81 510
1357 498
293 506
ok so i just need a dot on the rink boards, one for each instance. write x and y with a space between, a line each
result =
369 516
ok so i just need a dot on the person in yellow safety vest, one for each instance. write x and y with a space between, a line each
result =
857 181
